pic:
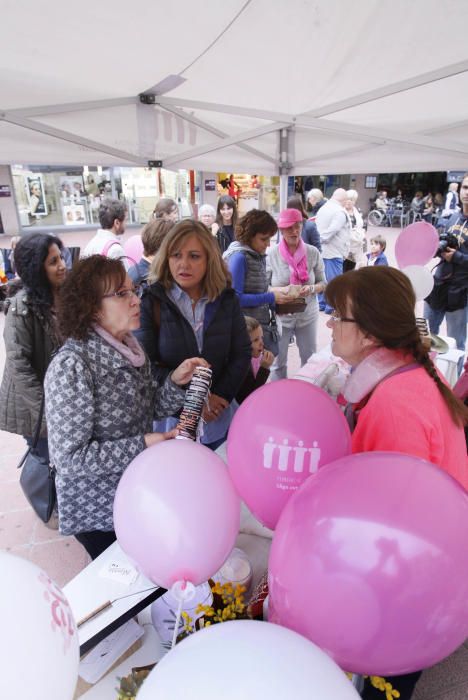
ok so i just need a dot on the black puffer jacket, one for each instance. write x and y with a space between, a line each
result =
226 344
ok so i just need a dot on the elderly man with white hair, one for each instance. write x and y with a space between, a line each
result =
315 200
334 229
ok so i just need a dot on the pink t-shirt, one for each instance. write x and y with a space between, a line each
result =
406 413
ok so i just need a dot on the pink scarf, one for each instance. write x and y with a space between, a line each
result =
297 263
130 348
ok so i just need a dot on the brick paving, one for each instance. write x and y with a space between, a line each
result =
21 533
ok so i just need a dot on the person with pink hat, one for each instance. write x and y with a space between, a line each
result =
299 266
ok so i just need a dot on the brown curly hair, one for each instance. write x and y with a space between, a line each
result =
255 221
82 292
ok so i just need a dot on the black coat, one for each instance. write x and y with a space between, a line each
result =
226 343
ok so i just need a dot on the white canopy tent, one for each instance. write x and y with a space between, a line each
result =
304 87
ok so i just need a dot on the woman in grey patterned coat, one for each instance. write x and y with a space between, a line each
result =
101 399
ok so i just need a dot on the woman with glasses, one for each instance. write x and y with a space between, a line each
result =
397 399
189 309
299 267
100 397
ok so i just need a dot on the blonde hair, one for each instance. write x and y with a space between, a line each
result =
217 277
251 323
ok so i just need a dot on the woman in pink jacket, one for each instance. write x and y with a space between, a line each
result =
397 401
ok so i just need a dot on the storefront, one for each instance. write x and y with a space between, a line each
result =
58 197
250 191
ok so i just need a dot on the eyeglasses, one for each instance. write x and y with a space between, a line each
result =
340 319
126 293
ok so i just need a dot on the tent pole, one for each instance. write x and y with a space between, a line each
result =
284 163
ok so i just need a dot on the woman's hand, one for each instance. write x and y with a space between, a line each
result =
267 359
184 372
154 438
281 297
305 291
214 408
319 287
214 228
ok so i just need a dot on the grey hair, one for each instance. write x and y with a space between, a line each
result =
352 194
318 194
206 209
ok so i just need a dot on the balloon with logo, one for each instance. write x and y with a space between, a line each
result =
369 561
176 513
416 244
282 434
39 648
246 660
133 248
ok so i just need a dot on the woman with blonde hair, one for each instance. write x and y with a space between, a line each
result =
190 309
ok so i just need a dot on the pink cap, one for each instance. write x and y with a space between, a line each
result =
289 217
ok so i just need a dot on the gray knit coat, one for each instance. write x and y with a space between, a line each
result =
98 408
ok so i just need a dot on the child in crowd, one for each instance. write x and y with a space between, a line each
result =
259 369
377 251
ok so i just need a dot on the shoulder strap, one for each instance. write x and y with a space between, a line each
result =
108 246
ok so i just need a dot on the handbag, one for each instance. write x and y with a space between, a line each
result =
294 306
38 477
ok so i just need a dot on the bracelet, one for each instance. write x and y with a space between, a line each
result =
312 289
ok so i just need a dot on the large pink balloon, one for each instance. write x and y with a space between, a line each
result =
416 244
133 248
281 435
369 561
176 512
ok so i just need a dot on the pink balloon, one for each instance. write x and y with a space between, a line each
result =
133 248
176 512
369 561
281 435
416 244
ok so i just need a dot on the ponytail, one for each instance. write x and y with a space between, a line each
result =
457 409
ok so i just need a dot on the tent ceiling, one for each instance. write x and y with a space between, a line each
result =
359 88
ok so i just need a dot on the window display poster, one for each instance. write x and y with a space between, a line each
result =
5 191
72 185
36 195
210 185
74 215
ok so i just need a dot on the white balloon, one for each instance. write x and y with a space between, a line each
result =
421 279
39 648
248 660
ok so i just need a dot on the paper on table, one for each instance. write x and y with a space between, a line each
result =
104 655
119 571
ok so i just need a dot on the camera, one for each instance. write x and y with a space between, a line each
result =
447 240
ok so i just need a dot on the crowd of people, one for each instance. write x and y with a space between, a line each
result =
110 345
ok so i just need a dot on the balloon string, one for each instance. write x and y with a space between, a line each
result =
177 622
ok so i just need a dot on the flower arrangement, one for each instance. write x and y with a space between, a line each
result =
228 604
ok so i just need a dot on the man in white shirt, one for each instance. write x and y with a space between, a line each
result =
334 229
451 201
113 218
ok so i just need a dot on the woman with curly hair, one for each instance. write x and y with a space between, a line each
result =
190 308
246 259
31 335
100 397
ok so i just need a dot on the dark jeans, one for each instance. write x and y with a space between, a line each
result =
404 684
96 541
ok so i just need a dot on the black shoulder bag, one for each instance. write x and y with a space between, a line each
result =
38 477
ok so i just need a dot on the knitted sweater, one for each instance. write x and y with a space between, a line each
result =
406 413
98 409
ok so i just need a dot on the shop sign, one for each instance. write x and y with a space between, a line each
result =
210 185
5 191
455 175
